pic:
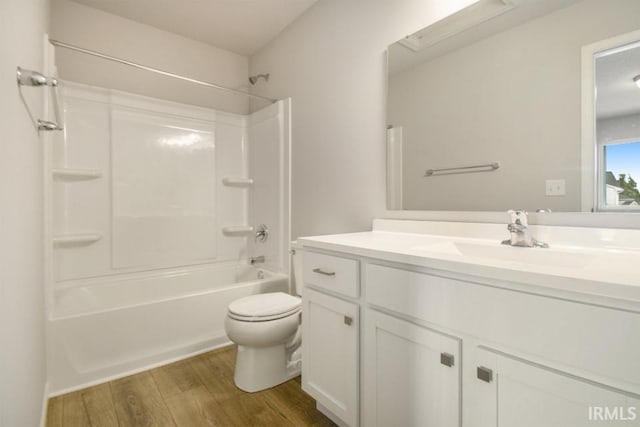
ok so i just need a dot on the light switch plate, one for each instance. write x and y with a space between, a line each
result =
555 187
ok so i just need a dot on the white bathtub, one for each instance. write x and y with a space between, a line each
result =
108 328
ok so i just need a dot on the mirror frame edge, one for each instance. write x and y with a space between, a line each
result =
589 169
564 219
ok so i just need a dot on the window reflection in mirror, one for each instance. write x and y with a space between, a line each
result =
621 161
618 127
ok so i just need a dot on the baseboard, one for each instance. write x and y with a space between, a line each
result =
45 405
333 417
225 343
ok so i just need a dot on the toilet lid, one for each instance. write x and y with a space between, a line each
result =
264 305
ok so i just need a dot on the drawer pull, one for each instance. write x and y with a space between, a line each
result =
348 320
447 359
326 273
485 374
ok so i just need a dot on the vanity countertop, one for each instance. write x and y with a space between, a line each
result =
592 263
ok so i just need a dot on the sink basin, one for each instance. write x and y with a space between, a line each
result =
489 250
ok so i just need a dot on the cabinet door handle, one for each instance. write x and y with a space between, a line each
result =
447 359
348 320
485 374
326 273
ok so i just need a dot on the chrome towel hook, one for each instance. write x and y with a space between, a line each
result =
33 78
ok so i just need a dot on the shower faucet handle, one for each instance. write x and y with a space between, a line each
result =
262 234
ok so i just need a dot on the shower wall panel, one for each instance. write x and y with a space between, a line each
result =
137 184
163 209
268 131
81 204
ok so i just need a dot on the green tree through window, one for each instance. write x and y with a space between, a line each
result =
629 187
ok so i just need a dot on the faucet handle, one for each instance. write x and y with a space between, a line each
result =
518 217
262 234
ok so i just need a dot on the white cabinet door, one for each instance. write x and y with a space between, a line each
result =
411 376
330 353
519 393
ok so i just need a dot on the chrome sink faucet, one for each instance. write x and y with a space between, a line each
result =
520 233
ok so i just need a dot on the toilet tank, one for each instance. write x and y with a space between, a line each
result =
296 258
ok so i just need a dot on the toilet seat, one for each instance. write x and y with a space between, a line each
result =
264 307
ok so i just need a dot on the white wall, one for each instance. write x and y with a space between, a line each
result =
618 128
93 29
22 348
331 62
514 97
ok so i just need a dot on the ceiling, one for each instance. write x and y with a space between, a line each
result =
402 58
241 26
617 92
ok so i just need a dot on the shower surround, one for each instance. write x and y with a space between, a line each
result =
152 207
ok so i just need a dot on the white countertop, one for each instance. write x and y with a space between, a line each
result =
591 262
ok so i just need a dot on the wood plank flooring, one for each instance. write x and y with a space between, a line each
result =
190 393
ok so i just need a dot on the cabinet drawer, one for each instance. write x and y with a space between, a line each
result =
329 272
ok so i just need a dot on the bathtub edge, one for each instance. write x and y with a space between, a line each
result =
225 342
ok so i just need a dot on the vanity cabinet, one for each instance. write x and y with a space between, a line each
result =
446 349
411 374
512 391
330 350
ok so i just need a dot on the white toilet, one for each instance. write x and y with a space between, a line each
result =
266 328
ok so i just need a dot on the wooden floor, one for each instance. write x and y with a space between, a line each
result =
189 393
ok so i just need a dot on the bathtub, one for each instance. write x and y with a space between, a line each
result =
103 329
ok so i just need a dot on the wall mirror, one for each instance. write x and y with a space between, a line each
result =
496 108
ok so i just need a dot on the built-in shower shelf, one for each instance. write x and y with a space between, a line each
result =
231 181
237 230
76 174
71 239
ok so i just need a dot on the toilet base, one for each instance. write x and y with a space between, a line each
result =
264 367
